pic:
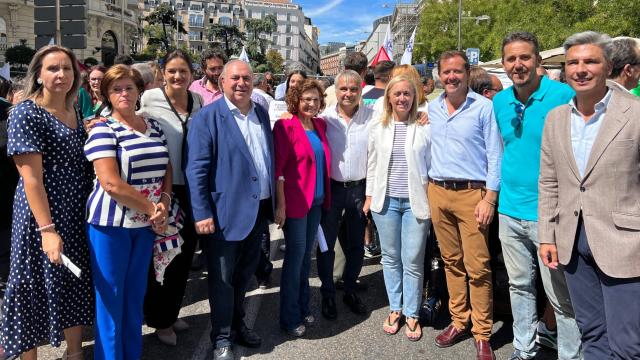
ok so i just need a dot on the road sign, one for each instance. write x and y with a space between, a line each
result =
473 54
66 13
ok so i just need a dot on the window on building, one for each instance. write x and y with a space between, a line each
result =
288 41
179 5
288 28
288 55
275 39
249 13
193 35
225 21
196 20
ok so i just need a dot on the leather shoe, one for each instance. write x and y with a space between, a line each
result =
483 350
247 337
360 286
450 336
354 303
329 308
223 353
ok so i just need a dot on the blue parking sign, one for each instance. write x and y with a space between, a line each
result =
473 54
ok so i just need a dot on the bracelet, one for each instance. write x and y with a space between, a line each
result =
489 202
164 193
46 227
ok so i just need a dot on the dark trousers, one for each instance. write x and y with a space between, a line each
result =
265 266
607 309
346 206
231 265
162 302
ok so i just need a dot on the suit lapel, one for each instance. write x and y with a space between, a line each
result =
565 139
613 121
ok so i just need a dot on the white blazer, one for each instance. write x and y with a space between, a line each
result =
418 153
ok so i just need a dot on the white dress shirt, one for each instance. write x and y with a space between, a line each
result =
253 135
348 143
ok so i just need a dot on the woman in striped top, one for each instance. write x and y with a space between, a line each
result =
398 160
126 208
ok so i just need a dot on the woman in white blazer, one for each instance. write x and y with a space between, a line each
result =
398 160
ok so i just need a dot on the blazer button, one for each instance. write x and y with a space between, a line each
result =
254 178
575 212
582 189
255 196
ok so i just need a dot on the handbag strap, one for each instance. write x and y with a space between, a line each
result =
183 123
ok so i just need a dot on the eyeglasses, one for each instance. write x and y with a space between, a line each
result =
95 79
520 117
310 100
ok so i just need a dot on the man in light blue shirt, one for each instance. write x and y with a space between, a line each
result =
520 112
463 190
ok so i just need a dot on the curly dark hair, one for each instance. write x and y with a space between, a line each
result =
294 96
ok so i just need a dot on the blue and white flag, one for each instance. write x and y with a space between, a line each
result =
408 52
388 42
243 56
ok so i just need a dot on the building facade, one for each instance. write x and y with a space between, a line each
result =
296 39
376 38
405 18
332 64
105 21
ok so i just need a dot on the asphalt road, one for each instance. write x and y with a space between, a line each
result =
351 336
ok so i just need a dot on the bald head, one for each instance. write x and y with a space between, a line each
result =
236 81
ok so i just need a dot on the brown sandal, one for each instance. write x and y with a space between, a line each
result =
391 328
413 333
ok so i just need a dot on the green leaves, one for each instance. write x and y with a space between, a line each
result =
552 21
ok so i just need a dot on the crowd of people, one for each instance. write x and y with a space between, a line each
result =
119 177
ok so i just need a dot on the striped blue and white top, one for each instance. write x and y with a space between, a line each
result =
142 161
398 179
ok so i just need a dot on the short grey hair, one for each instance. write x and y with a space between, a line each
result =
590 37
258 79
348 76
623 51
223 74
145 71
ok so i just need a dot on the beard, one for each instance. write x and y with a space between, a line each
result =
213 79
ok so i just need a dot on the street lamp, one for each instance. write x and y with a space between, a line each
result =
460 17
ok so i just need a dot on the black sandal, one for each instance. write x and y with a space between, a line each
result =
413 330
393 327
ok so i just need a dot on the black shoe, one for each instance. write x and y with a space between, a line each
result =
223 353
264 283
360 286
247 337
354 303
329 308
197 262
297 332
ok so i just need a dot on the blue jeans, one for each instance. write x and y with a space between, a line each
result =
403 239
519 240
119 262
299 237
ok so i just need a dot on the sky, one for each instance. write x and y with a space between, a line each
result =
347 21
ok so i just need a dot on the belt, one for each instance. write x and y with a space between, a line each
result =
459 184
349 184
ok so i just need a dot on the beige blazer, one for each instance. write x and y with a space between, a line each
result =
418 153
608 194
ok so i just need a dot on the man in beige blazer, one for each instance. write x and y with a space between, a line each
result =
589 201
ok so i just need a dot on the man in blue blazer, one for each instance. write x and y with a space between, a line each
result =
230 178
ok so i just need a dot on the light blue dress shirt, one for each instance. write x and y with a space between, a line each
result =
465 145
253 134
583 134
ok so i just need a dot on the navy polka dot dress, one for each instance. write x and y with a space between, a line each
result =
43 299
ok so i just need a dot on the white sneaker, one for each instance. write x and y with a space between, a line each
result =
545 337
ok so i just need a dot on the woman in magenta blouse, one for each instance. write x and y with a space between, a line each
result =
302 170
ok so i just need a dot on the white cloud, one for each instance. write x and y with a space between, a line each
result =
323 9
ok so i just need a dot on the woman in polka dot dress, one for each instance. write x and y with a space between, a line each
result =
44 300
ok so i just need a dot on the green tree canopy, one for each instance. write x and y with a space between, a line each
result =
552 21
227 37
161 18
20 54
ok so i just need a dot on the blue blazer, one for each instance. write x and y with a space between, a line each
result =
220 174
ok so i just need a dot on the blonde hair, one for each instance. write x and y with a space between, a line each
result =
387 113
33 90
411 72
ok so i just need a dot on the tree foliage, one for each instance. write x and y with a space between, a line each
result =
161 18
257 27
227 37
552 21
19 54
275 61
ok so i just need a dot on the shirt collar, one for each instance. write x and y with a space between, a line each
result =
472 96
203 83
600 106
537 95
234 109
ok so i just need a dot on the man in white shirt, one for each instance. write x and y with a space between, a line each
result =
348 125
260 88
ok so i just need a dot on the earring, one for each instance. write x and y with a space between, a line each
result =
39 81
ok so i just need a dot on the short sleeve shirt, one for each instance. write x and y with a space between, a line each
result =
142 161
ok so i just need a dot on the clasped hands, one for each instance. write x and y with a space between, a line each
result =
159 218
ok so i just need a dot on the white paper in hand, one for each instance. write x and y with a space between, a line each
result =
71 266
322 242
